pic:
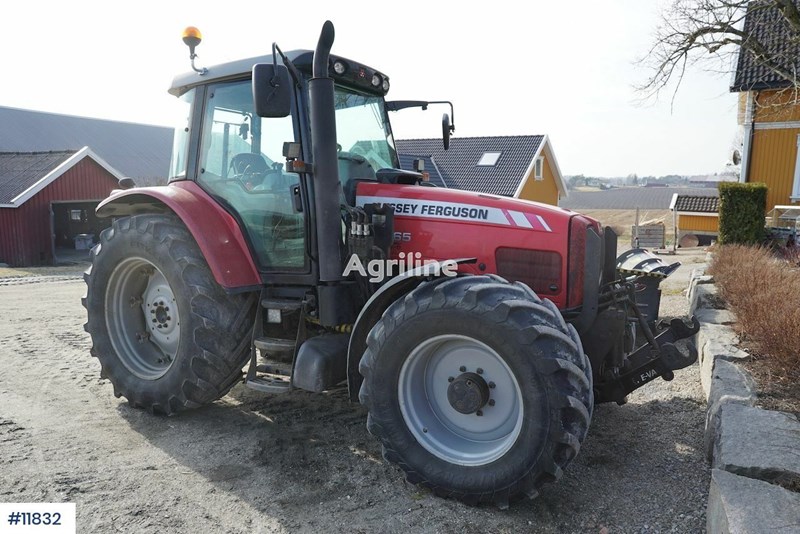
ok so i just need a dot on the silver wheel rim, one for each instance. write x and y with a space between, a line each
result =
142 318
459 438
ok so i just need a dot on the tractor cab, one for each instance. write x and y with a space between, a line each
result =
253 165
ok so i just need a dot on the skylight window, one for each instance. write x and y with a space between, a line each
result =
489 159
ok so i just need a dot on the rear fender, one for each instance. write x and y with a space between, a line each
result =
373 310
216 232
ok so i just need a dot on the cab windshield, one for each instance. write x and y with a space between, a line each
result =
362 130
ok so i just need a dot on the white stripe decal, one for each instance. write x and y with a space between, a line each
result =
543 223
433 209
520 219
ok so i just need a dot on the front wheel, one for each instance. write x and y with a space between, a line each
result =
477 389
168 337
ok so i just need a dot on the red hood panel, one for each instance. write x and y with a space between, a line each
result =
439 223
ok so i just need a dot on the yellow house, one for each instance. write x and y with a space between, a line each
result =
519 166
769 112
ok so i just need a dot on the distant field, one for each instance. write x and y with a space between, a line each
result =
625 198
617 207
622 220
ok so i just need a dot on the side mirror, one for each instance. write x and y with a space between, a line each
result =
272 90
446 131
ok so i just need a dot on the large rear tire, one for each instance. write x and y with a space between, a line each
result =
477 389
168 337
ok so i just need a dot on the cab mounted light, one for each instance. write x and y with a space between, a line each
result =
376 80
192 38
339 67
385 86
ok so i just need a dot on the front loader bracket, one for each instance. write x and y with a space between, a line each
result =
649 362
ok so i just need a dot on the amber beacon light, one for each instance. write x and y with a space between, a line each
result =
192 38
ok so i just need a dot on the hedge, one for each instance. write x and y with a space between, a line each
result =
742 210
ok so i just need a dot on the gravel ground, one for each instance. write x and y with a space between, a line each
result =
301 462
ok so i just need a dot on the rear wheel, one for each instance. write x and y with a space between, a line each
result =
167 335
477 389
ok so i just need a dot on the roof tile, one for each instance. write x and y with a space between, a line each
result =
459 167
770 28
20 170
697 204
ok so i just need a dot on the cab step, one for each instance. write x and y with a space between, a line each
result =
271 369
271 345
269 384
281 304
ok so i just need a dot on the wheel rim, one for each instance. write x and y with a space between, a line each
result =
431 374
142 318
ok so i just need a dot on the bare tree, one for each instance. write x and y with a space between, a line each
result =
764 35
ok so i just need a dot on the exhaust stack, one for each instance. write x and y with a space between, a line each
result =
326 163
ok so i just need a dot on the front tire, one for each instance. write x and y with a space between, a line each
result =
166 334
477 389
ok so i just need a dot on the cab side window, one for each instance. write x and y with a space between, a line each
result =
241 164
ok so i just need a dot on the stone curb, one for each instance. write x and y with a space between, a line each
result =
739 504
751 450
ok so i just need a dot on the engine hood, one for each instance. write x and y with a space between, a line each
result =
465 206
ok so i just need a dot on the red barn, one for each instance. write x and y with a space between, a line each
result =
47 203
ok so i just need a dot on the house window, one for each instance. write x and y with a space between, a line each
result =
489 159
796 186
76 215
537 168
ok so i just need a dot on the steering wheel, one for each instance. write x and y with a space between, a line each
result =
269 177
250 179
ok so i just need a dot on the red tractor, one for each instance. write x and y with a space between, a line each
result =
479 331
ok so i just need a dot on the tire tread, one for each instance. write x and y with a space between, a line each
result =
538 321
221 333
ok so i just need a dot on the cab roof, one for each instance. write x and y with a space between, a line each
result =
302 59
233 69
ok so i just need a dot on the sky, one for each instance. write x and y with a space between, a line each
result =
565 69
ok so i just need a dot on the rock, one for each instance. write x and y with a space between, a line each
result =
715 342
698 272
702 296
711 316
759 444
716 332
742 505
730 384
697 279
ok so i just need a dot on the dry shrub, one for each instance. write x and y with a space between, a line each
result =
762 290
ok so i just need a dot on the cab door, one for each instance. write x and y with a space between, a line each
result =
241 163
